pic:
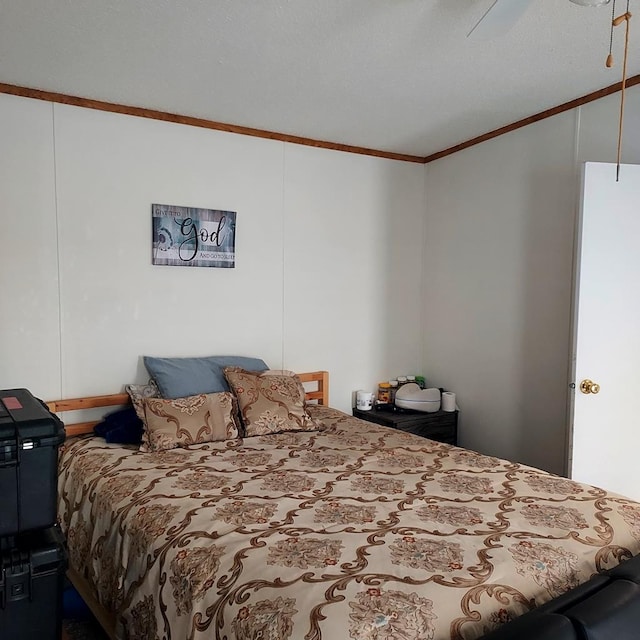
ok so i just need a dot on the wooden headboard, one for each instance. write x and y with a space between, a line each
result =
320 394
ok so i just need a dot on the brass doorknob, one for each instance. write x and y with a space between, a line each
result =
588 386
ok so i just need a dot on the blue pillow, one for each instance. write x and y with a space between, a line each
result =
182 377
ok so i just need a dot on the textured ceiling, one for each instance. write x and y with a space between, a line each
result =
394 75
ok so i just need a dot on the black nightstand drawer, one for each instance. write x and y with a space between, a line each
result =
441 425
441 434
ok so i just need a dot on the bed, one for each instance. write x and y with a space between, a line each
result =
348 531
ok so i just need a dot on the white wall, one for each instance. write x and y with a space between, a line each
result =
330 261
115 304
29 309
498 268
353 249
319 250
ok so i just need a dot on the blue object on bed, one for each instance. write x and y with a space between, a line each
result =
73 606
121 427
182 377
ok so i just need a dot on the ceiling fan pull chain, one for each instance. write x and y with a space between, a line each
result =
610 56
626 18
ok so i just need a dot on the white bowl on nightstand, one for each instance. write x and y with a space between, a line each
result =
411 396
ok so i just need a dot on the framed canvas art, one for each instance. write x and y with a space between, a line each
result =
193 237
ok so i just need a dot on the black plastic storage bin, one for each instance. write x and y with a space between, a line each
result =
31 584
29 438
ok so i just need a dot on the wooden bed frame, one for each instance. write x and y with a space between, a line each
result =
107 619
320 394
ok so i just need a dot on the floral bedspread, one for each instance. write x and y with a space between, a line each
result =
354 531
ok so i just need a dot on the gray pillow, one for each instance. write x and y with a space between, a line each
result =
138 392
183 377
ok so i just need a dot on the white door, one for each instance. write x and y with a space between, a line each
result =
605 439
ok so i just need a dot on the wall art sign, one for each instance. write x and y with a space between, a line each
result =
192 237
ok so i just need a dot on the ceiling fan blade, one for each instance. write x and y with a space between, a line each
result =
499 18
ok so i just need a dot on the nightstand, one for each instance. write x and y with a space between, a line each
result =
440 425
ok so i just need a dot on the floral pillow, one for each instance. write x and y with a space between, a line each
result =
269 401
138 392
193 420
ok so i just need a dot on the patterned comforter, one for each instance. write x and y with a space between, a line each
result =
353 531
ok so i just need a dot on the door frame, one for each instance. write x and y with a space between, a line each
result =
575 307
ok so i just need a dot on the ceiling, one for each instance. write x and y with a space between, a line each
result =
393 75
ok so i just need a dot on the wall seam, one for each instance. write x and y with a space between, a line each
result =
283 326
59 271
423 276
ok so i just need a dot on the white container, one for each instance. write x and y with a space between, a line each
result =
364 400
448 401
411 396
